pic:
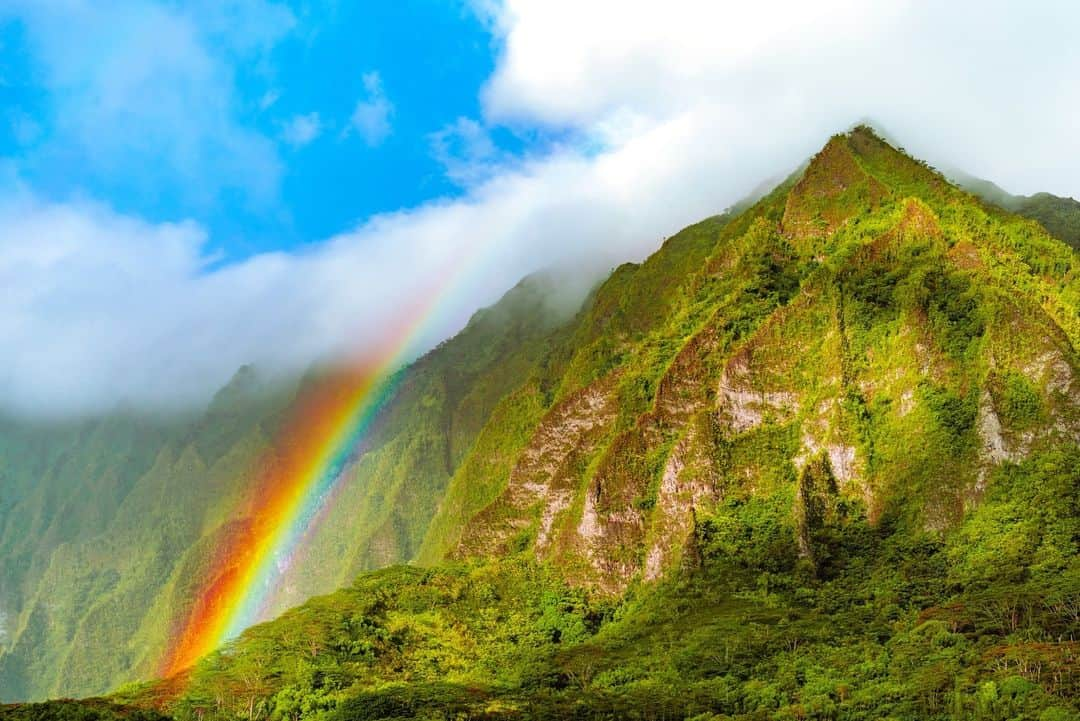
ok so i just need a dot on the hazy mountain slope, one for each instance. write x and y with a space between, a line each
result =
100 512
107 525
819 460
1060 216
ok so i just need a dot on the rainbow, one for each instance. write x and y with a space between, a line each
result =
295 479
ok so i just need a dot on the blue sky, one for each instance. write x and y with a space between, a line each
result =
329 112
187 186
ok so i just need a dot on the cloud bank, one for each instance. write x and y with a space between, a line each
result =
671 113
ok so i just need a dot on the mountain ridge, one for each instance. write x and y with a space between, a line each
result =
835 188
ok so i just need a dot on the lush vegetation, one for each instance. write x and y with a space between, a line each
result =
873 623
816 458
88 710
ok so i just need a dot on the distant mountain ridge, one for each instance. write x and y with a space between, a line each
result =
1060 216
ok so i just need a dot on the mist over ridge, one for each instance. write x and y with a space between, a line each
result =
104 306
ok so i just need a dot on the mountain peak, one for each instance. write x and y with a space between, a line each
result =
834 188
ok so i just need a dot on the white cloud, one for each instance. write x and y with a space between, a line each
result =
371 117
146 87
572 62
683 110
466 151
100 307
302 129
985 86
268 99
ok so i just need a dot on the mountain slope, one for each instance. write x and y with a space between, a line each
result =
819 459
107 526
876 623
92 529
871 310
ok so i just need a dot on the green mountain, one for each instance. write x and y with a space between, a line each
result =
816 458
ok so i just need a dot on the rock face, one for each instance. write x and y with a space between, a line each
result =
543 482
839 339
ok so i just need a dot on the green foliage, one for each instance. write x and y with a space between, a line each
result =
851 399
893 624
86 710
954 308
754 535
955 415
1021 402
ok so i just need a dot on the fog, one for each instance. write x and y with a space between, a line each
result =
670 112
